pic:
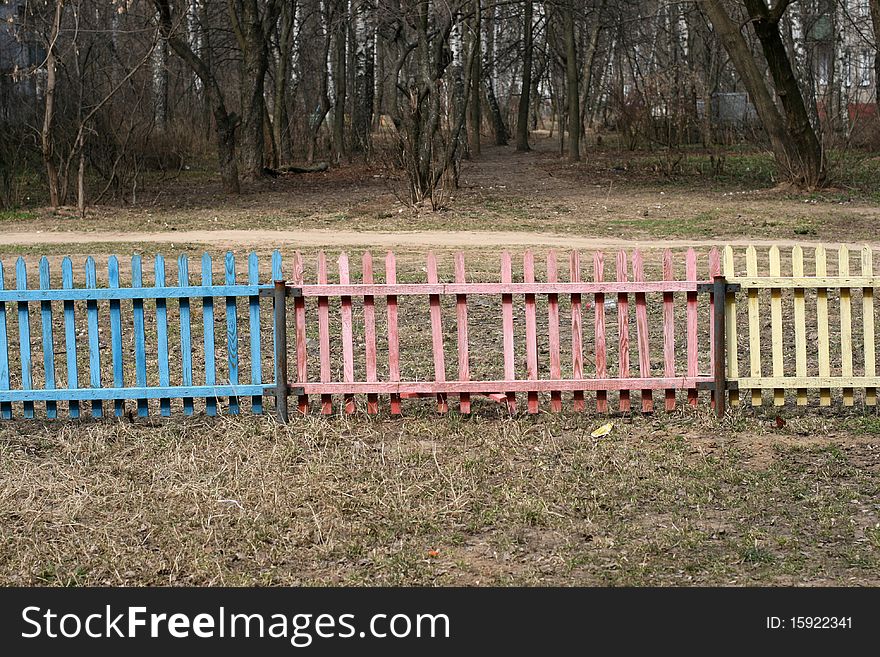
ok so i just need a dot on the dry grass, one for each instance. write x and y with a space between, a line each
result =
529 500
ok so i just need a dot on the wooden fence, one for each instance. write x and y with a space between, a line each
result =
81 321
816 340
627 287
623 337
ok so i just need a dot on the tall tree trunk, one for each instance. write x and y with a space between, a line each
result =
792 138
589 59
364 75
281 136
522 115
160 86
810 162
572 75
875 21
499 129
252 27
475 107
47 134
225 122
459 98
339 81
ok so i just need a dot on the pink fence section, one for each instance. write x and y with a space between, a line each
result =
653 300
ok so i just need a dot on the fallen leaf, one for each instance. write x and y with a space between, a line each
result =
604 430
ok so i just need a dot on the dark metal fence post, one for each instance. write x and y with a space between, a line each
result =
281 386
719 367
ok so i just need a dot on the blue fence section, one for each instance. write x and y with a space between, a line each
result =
84 361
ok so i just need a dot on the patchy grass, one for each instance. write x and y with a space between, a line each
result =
612 192
16 215
416 501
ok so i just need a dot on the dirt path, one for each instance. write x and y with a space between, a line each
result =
337 238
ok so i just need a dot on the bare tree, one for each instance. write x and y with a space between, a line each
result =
792 136
875 23
46 134
225 122
252 21
522 116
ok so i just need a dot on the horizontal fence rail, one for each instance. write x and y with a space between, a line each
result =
588 303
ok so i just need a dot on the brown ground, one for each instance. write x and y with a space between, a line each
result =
611 196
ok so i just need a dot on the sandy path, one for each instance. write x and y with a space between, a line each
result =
336 238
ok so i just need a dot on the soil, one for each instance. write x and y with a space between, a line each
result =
504 198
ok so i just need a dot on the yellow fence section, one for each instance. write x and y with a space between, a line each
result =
818 333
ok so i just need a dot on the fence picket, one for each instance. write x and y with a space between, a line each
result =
116 334
254 330
824 339
623 330
800 323
347 332
714 270
208 334
642 332
5 407
599 325
277 275
393 338
531 331
94 339
24 336
776 326
553 332
507 329
437 334
299 312
577 340
69 336
324 334
185 334
48 341
868 321
461 316
162 335
730 320
754 325
140 352
370 333
846 350
232 333
693 344
668 330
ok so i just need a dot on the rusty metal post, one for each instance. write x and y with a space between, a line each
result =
719 367
281 387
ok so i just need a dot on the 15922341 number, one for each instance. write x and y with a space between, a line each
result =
821 622
810 623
